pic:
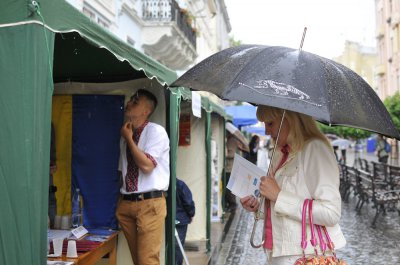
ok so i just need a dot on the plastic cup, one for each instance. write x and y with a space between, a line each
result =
71 250
65 222
57 246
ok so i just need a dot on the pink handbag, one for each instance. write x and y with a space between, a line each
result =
316 259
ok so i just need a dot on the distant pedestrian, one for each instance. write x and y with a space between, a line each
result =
381 150
358 148
253 146
343 151
335 148
185 210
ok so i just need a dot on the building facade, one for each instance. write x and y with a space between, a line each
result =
362 60
388 44
177 33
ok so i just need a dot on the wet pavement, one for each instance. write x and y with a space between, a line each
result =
365 245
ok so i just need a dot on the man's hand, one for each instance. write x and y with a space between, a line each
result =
126 131
141 160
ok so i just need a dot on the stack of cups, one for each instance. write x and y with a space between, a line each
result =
65 222
57 222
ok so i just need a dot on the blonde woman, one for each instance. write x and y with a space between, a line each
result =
304 166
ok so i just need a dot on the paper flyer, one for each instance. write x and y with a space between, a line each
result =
245 178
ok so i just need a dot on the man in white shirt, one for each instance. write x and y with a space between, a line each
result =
144 167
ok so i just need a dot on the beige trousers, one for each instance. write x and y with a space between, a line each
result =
143 225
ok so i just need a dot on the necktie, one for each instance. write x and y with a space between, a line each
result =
132 174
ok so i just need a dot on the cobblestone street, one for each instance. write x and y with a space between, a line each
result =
365 245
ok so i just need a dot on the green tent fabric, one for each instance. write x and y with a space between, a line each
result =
25 103
75 59
41 44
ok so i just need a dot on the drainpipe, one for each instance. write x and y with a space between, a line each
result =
223 177
173 129
209 179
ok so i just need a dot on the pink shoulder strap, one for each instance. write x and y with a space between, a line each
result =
322 243
303 242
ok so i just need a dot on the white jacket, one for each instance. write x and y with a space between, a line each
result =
310 173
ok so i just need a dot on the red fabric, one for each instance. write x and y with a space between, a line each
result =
152 159
132 174
267 209
268 227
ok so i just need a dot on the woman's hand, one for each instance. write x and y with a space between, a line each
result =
269 188
250 203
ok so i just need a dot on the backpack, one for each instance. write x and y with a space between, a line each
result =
388 148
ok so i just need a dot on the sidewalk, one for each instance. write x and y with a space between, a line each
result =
364 155
196 252
222 233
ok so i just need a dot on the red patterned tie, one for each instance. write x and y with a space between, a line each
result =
132 174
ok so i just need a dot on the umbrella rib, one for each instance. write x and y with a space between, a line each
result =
329 107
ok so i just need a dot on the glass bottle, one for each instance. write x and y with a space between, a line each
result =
77 208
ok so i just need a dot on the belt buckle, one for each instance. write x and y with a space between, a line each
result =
141 197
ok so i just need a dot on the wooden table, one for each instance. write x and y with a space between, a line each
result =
91 257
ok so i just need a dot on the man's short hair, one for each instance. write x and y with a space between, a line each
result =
149 96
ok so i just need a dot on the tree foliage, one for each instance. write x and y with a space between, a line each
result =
392 104
345 132
233 42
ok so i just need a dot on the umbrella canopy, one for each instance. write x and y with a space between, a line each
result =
341 143
294 80
238 135
331 136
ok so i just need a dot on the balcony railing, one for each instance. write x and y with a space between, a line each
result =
168 10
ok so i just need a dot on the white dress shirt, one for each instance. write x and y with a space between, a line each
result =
153 141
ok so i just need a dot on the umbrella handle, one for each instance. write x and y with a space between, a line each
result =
257 216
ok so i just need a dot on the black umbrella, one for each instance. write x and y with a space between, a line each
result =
294 80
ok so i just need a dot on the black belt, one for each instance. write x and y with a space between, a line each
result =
144 196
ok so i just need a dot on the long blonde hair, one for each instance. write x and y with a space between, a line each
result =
303 128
